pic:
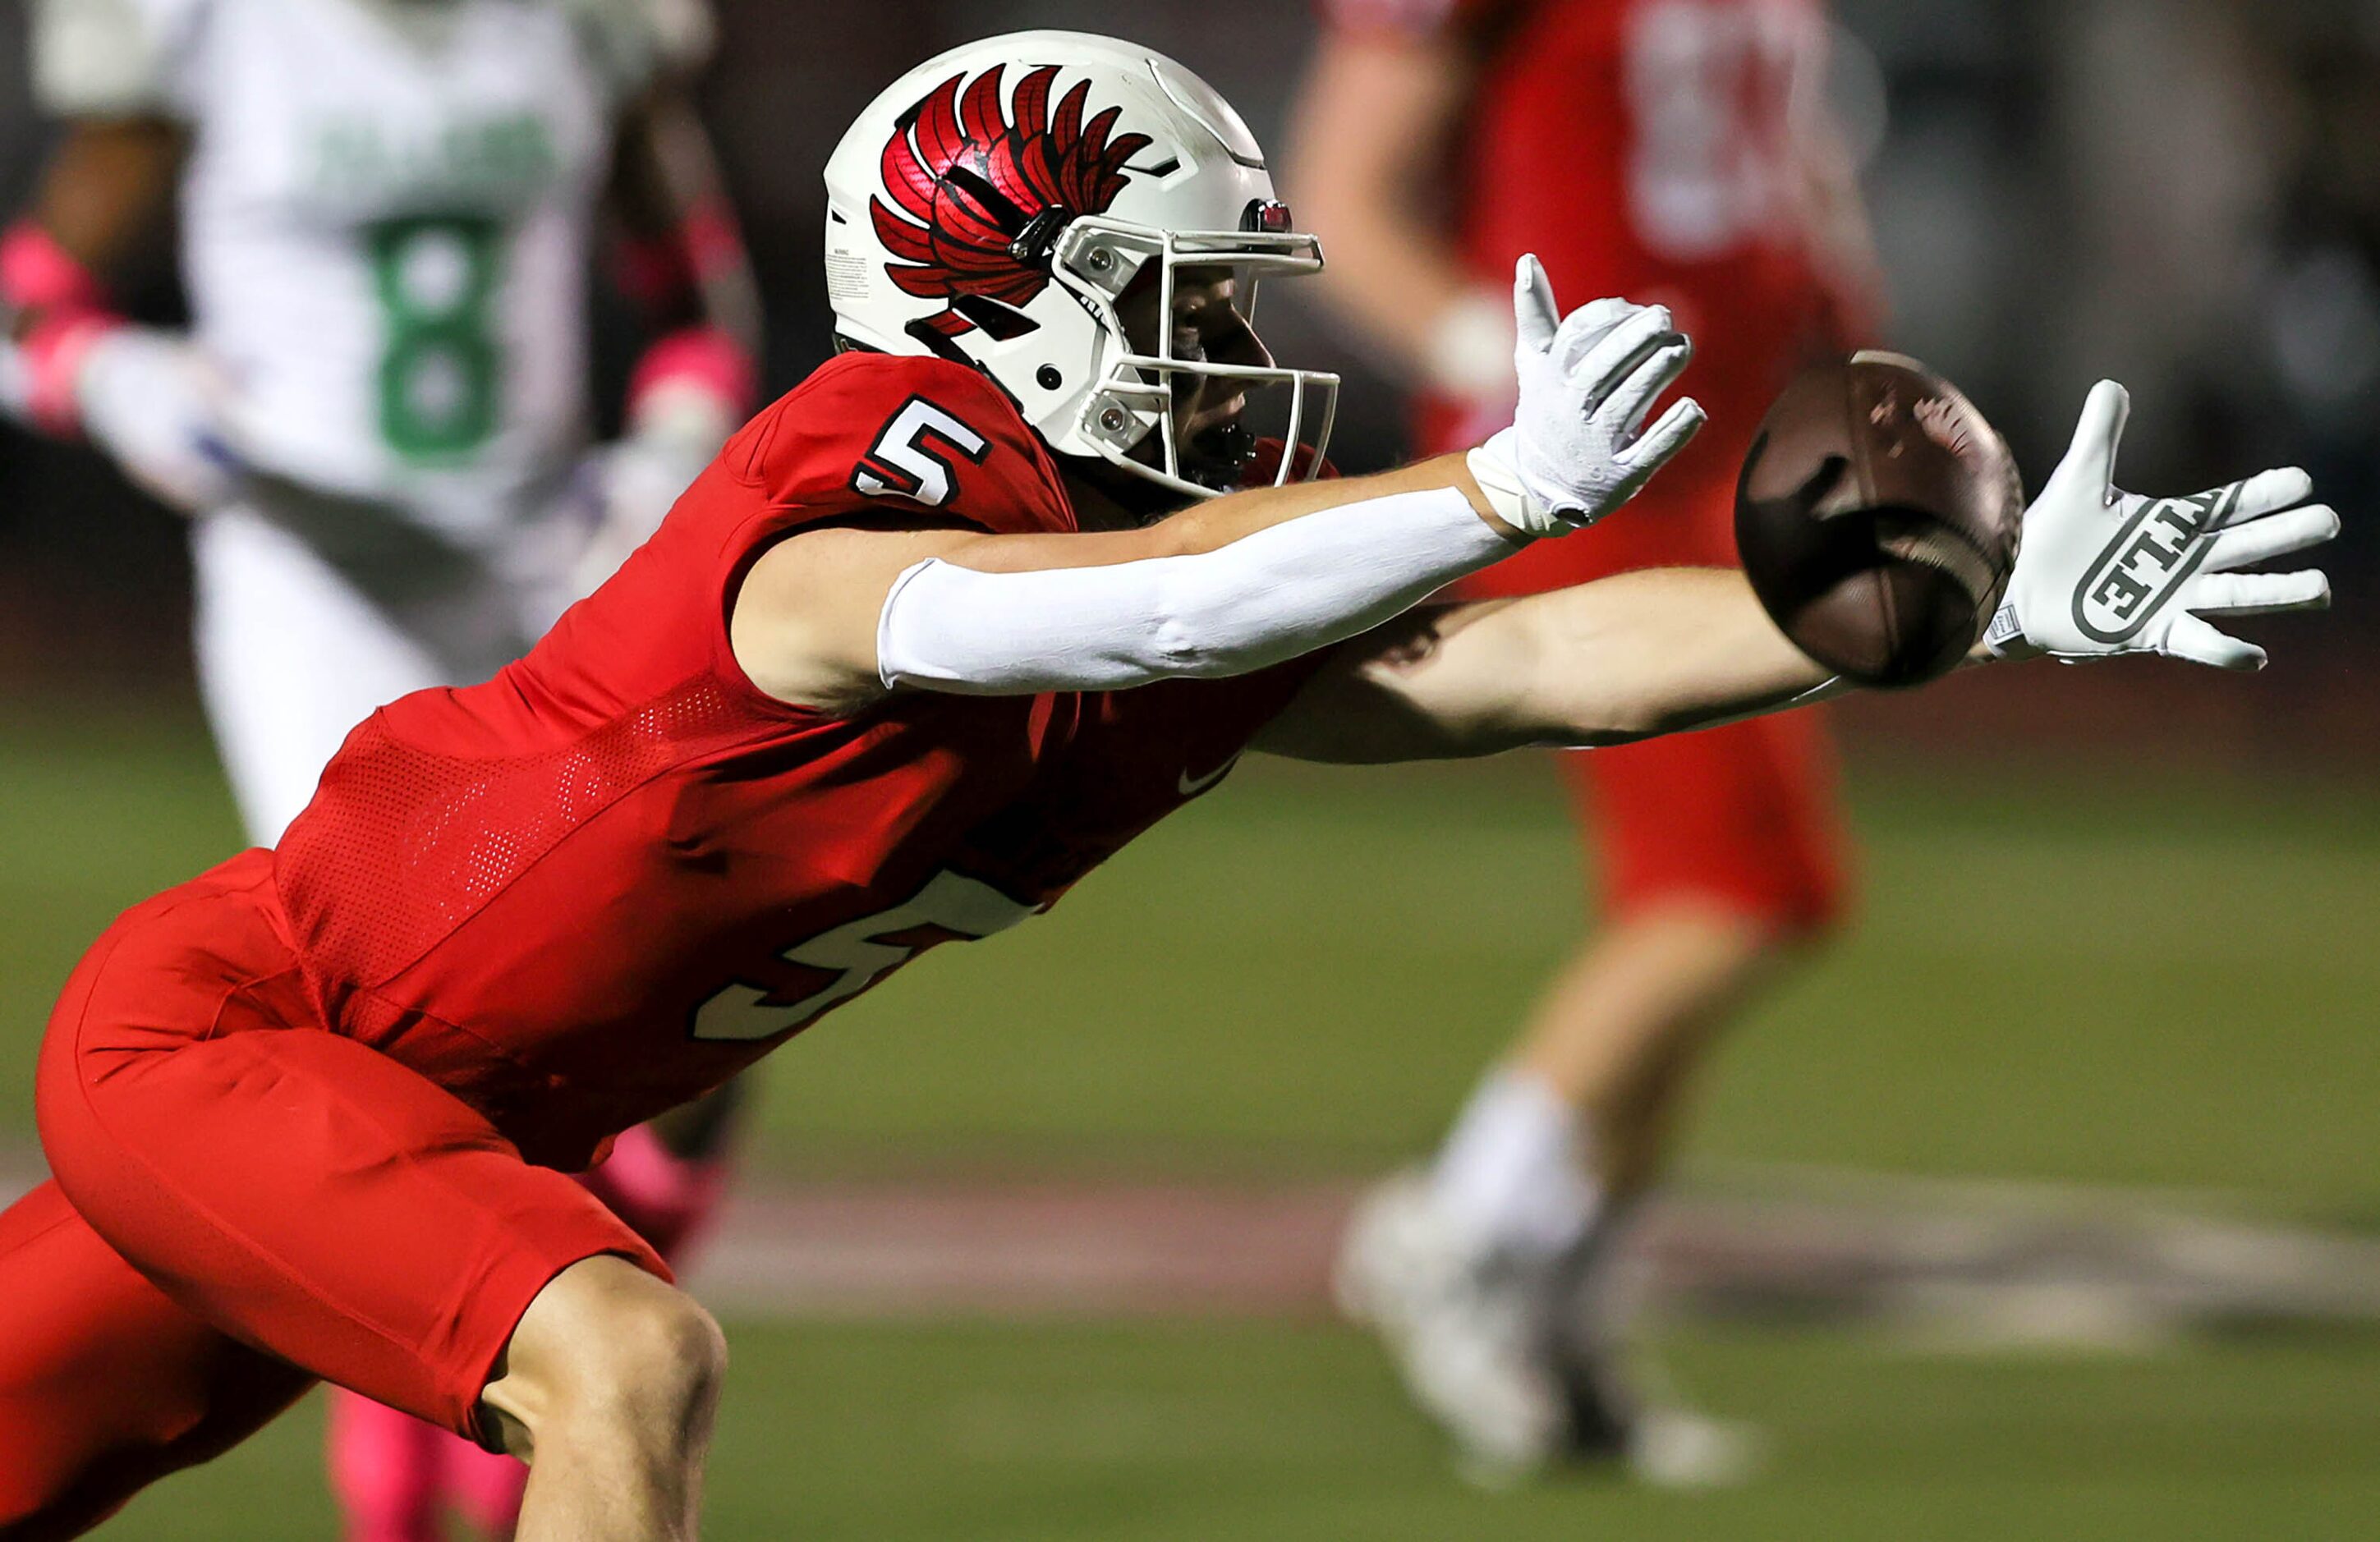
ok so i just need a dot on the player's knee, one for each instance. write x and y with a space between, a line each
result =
607 1354
664 1360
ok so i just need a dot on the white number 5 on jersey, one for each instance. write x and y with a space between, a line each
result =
857 955
908 460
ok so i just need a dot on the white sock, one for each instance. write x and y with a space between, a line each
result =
1514 1168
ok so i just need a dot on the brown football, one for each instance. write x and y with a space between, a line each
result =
1878 518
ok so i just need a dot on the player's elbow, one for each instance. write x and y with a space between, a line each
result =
1204 630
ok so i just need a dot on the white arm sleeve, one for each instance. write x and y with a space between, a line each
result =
1265 598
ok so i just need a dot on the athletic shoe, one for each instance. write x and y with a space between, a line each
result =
1502 1352
1610 1420
1469 1333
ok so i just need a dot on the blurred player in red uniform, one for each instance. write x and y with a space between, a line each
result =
1669 151
913 655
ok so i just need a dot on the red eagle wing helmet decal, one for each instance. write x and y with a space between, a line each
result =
967 179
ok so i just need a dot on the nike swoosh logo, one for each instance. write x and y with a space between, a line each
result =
1191 786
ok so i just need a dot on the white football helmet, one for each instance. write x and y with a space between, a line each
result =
992 204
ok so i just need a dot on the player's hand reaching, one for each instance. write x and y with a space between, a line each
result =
150 400
1578 447
2103 572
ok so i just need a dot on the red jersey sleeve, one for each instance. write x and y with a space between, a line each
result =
873 434
876 433
866 434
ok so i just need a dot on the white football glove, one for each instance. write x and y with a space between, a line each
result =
2103 572
1577 448
154 402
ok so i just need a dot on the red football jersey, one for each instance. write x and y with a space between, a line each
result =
617 873
1643 148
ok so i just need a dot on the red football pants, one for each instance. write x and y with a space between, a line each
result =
1744 815
243 1202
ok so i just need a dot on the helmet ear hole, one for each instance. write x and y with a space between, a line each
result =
1048 378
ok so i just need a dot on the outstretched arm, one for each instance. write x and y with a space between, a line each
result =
2101 573
1630 657
833 618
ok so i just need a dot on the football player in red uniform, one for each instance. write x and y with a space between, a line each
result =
901 666
1666 149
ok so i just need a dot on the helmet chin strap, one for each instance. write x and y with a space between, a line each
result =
1227 449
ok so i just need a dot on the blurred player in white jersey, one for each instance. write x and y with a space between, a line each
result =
378 421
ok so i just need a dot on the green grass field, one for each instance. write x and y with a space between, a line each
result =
1274 1432
2135 977
2127 979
